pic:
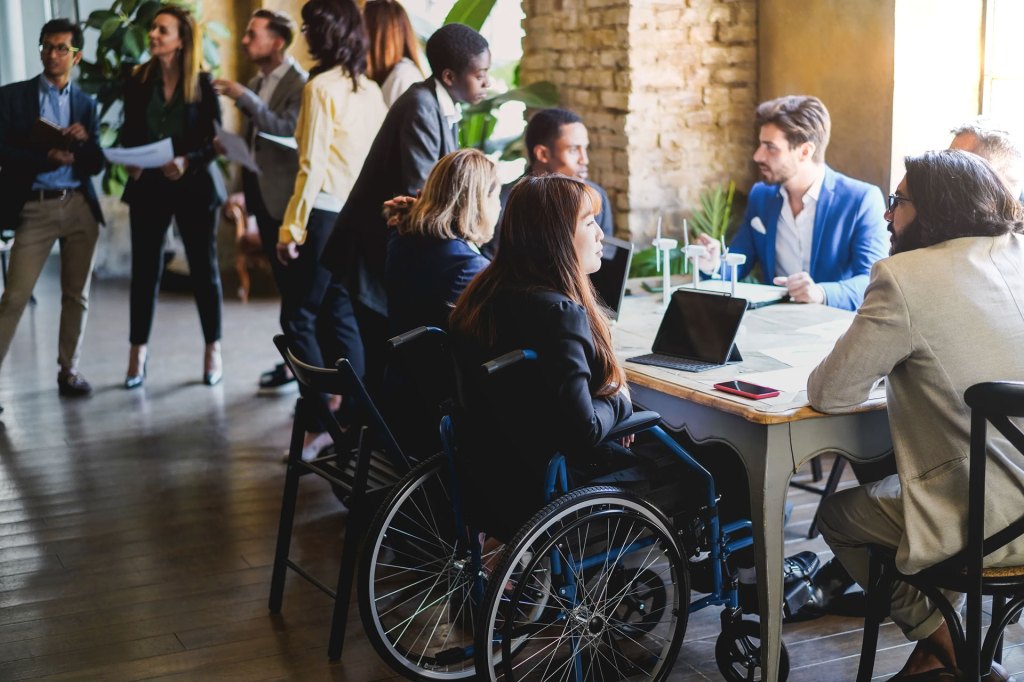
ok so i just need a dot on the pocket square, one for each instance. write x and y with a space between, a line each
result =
758 225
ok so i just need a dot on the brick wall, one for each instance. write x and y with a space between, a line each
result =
667 89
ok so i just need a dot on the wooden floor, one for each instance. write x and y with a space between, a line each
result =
137 528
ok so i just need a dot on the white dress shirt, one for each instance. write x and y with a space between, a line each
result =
451 112
794 234
269 82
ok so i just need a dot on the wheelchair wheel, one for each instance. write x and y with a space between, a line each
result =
593 587
738 653
416 580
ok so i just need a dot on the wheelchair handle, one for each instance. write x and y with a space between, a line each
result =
507 360
396 342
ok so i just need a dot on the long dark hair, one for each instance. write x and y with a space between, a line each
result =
336 37
958 194
391 38
536 252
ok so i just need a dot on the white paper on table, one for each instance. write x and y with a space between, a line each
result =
796 356
151 155
236 149
288 142
827 330
789 379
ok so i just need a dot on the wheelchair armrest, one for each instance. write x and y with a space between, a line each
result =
635 423
505 361
396 342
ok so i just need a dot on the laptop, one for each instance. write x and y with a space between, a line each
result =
697 333
610 281
757 295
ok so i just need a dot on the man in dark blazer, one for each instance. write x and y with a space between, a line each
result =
271 102
420 128
47 195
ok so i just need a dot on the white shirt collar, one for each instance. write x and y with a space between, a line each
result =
448 108
813 192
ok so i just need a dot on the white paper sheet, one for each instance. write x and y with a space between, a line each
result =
283 141
151 155
236 149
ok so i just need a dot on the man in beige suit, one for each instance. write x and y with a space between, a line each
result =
944 312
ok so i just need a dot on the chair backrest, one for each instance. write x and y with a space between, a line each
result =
995 403
425 357
342 380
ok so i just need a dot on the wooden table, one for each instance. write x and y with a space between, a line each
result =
774 437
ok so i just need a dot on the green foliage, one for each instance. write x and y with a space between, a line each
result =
712 218
122 45
472 13
478 121
645 262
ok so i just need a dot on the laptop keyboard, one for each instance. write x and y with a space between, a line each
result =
672 362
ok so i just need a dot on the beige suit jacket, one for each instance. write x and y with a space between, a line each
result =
934 322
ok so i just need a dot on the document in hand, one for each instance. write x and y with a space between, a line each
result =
236 149
288 142
151 155
48 135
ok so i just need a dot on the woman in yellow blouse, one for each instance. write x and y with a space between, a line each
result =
341 112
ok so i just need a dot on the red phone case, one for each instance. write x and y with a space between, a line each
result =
729 389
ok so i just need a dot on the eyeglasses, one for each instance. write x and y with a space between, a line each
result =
62 50
894 201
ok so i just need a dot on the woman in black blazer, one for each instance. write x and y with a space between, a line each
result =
536 294
169 97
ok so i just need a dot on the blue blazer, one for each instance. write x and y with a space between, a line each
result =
849 236
21 162
424 276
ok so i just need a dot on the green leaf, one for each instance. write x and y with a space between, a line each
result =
145 13
99 16
128 6
472 13
210 54
109 27
135 42
540 95
108 135
217 29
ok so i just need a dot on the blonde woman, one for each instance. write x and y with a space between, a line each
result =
435 251
169 97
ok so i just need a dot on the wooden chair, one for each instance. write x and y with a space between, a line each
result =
991 403
363 474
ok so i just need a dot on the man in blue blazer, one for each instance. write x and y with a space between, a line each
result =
813 230
47 192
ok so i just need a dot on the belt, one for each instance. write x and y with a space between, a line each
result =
45 194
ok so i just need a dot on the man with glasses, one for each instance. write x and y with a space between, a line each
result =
271 103
813 230
48 152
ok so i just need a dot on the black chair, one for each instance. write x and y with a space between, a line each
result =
835 475
363 474
991 403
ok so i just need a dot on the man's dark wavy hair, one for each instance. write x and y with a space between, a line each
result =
453 46
336 37
957 194
63 26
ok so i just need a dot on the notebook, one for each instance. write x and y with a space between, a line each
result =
610 280
697 332
757 295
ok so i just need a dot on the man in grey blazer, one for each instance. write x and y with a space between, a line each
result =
944 312
271 103
420 128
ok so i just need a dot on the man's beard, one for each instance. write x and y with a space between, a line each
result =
908 240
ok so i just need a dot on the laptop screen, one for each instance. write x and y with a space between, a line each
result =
610 280
700 326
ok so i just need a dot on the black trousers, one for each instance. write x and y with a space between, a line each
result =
316 311
267 224
197 224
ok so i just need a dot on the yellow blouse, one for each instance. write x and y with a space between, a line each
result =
334 132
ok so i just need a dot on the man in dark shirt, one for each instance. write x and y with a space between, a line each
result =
557 142
47 192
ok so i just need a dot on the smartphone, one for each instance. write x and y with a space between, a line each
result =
747 390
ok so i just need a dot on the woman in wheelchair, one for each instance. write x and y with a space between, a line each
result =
536 295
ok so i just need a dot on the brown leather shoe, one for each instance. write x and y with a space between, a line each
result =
73 384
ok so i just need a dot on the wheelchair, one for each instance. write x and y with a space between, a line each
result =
596 586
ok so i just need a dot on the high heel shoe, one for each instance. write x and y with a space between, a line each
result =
135 380
212 368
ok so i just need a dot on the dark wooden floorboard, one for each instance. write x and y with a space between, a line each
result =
137 528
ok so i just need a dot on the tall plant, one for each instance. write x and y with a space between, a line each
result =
712 218
121 46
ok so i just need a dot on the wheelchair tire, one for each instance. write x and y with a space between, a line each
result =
558 599
415 580
738 653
